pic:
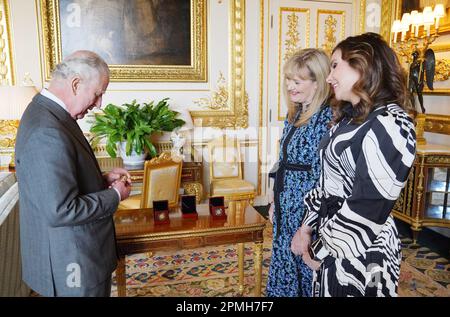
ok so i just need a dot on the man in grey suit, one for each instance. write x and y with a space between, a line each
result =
66 205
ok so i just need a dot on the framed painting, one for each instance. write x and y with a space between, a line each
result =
141 40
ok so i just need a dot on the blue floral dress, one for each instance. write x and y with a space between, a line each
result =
300 171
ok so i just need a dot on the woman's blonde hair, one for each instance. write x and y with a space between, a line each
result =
317 65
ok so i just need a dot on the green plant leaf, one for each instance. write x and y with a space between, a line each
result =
134 123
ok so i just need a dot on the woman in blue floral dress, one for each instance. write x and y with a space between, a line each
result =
298 167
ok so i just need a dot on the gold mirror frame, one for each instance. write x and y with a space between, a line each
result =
196 72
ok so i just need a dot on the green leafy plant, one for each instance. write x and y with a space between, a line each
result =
133 123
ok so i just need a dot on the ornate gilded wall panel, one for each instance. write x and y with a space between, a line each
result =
330 29
293 34
6 56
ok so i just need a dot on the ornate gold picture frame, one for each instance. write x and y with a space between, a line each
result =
152 44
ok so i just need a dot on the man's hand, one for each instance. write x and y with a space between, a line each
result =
124 188
117 174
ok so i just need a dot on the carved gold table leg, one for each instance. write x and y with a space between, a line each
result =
121 278
241 268
415 233
232 213
258 267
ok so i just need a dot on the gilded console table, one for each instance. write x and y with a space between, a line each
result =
425 199
137 233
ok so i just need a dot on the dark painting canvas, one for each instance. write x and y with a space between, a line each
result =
128 32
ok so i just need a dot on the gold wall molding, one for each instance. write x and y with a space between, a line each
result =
330 30
328 47
293 36
236 115
294 11
261 94
436 123
362 16
219 99
440 47
387 17
196 72
6 54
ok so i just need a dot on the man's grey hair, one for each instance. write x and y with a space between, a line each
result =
86 64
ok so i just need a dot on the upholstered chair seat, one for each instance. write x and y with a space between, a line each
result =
231 186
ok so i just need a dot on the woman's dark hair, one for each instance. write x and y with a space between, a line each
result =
382 81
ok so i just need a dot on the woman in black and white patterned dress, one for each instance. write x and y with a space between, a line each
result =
366 159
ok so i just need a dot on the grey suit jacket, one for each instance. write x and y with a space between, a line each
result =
66 224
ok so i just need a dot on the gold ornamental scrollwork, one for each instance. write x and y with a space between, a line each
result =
442 70
164 157
400 202
8 131
387 17
293 36
438 159
287 47
194 189
219 100
410 191
330 30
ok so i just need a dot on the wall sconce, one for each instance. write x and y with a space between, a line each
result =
415 49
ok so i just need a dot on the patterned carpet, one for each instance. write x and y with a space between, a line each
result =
213 272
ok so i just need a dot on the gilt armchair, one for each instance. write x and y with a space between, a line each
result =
161 181
225 166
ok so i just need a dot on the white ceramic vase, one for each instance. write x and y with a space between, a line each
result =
133 160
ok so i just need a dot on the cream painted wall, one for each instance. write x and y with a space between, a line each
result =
25 38
28 57
27 51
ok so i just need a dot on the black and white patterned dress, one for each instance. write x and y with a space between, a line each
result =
365 167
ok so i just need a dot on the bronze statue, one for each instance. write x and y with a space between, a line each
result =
421 67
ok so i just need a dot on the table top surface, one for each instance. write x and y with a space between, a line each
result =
139 223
